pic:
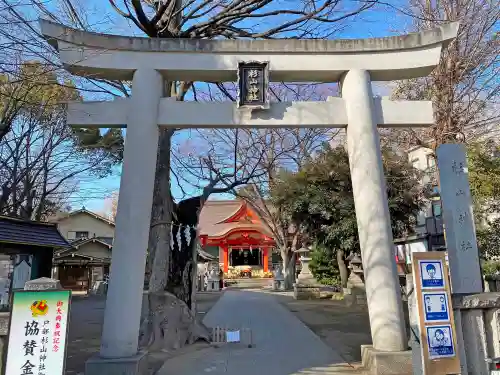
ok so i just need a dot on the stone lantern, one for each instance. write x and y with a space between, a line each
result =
305 276
356 267
355 293
306 287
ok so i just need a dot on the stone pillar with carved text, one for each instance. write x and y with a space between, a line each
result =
458 216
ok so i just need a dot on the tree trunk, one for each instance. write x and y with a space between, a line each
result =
194 274
183 263
4 198
288 258
344 271
168 321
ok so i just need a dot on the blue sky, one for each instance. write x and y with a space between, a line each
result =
99 14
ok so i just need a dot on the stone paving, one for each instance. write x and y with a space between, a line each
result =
84 331
283 345
87 314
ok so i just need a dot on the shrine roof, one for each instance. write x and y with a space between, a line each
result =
216 218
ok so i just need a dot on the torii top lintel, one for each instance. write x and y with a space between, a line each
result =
117 57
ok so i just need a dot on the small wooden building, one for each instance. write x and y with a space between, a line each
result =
86 265
26 252
83 266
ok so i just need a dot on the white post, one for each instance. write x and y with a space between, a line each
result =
372 213
126 282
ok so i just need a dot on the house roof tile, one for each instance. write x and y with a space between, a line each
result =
27 232
82 241
61 216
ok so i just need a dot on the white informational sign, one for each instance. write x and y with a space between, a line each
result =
440 341
233 336
431 274
38 332
435 307
21 273
459 219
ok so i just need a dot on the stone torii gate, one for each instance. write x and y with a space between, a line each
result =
149 62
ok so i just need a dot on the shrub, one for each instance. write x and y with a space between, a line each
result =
324 265
491 268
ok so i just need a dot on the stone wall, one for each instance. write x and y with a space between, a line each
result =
4 330
306 292
477 320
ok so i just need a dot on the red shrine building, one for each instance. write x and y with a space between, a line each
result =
233 231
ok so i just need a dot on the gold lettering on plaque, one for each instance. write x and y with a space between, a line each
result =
253 88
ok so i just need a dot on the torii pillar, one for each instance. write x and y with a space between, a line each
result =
372 214
354 63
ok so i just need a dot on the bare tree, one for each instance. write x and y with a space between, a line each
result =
464 87
207 19
300 147
221 167
21 41
277 149
41 159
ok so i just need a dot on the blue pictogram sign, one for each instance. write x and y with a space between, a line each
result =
440 341
431 274
436 307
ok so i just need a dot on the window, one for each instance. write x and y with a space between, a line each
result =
80 235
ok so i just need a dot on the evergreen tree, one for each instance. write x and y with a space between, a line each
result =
319 198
